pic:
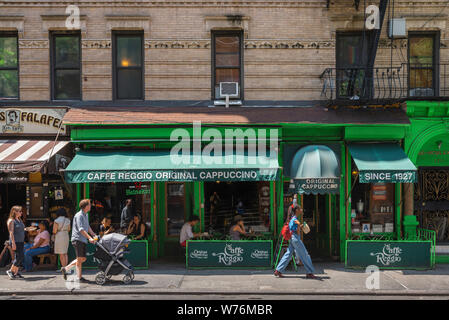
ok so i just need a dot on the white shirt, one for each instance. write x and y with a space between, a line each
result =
186 233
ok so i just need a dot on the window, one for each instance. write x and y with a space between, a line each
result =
176 210
66 66
9 67
226 60
422 57
128 66
352 58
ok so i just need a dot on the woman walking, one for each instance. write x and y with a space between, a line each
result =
295 245
61 228
16 230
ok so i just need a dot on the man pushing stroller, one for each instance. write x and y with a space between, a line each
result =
81 234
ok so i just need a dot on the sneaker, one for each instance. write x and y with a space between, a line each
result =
278 274
18 275
10 275
83 280
64 273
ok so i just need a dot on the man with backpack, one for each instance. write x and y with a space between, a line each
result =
291 231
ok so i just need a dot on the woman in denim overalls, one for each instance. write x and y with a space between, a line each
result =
297 245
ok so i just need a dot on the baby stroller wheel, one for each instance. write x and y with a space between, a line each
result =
128 278
100 278
109 276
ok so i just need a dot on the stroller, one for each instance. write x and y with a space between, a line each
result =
109 251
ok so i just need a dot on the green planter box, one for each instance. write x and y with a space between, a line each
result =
389 254
138 256
229 254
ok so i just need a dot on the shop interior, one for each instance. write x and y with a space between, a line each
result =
108 200
372 207
224 200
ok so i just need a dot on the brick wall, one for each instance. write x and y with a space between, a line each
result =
288 43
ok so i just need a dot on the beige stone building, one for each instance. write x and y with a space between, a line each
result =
286 45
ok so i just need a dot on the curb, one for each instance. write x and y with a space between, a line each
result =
227 293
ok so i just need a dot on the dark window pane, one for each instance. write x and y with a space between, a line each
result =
129 51
227 44
67 84
8 52
9 84
421 51
227 75
67 52
227 60
352 50
129 84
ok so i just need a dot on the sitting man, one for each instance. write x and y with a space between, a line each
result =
186 231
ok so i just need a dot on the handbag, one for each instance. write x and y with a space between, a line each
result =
305 228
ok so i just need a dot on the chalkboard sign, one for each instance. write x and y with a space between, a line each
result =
138 257
389 254
229 254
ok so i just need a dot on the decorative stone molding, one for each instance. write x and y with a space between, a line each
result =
426 22
227 22
57 22
96 44
12 22
127 22
33 44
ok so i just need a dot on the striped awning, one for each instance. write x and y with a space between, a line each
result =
27 155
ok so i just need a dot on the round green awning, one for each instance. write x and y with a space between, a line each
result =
315 169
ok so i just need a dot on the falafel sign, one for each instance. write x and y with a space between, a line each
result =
229 254
42 121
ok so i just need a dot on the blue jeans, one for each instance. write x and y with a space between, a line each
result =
301 251
28 261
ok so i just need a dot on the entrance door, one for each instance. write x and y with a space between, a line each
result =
432 200
316 215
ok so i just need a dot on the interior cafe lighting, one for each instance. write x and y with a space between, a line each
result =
125 63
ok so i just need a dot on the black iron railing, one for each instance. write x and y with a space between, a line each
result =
383 85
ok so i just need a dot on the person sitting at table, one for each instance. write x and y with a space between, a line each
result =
238 229
41 245
186 231
136 228
106 226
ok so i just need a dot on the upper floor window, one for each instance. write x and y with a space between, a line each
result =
227 60
128 66
353 78
66 66
9 66
423 62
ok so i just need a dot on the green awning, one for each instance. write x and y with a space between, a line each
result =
315 169
145 165
382 163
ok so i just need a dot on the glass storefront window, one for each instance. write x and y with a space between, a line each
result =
225 200
108 200
175 208
372 207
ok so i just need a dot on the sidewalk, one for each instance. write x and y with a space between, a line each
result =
175 279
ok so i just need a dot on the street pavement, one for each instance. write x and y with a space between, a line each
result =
176 280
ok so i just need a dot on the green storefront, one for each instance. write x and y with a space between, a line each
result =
427 145
116 161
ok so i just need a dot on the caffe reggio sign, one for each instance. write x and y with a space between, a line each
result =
39 121
174 175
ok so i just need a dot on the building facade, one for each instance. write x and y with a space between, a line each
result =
313 72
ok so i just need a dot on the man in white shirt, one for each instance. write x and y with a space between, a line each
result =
186 231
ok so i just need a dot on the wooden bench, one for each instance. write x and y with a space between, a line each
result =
52 258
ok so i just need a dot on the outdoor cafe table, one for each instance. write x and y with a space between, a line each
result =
229 254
